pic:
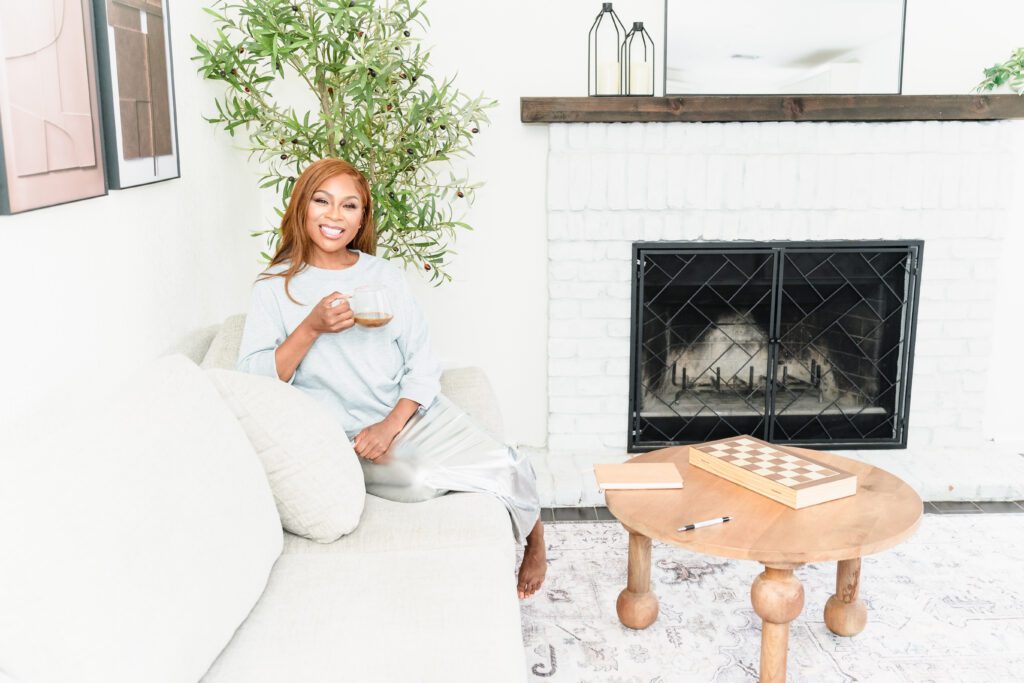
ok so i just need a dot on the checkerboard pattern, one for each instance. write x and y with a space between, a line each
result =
769 462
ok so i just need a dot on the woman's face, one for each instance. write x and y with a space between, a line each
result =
333 217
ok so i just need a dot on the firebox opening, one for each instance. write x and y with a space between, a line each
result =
793 343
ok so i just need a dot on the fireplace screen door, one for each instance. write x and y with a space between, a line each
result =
805 343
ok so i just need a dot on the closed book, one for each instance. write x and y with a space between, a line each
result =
638 475
776 472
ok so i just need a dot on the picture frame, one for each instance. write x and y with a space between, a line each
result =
51 148
137 91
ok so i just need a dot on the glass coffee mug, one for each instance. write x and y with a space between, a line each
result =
370 306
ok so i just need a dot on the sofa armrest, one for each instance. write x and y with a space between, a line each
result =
223 351
193 346
469 389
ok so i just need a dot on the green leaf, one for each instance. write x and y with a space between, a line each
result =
398 149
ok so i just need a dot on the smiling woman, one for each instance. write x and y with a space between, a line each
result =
333 220
330 208
380 381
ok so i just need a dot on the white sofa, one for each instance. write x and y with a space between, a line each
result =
139 542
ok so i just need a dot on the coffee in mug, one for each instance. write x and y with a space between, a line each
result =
370 306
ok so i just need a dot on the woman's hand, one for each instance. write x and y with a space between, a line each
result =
373 441
332 314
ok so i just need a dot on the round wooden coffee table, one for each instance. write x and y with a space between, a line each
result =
884 512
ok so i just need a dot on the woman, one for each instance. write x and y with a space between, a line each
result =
382 383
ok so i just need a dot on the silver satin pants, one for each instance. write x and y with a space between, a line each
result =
442 449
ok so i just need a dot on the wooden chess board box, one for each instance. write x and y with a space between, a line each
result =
773 471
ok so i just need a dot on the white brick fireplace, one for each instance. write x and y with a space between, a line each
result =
944 182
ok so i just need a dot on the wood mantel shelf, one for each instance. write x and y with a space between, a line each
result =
771 108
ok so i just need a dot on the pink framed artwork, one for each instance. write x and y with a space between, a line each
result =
50 146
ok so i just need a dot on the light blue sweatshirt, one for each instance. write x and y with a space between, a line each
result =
360 373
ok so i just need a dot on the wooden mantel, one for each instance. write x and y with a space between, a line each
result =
772 108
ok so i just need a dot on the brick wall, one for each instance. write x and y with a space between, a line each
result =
611 184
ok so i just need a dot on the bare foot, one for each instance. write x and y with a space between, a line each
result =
535 563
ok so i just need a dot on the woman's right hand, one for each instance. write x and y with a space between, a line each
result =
332 314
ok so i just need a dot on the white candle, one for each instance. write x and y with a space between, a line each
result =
608 78
641 78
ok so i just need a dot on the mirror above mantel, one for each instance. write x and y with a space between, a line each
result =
785 47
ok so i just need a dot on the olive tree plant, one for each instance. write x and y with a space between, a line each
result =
371 102
1009 73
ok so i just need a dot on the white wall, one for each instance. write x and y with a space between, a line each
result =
501 268
948 45
94 288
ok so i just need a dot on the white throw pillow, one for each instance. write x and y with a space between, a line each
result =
136 534
313 470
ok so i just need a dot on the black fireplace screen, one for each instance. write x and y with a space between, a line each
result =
806 343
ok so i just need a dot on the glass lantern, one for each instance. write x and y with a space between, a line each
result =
637 60
604 60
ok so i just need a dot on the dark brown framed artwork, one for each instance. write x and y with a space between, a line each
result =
136 91
50 144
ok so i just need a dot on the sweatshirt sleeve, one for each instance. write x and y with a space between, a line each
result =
422 379
264 332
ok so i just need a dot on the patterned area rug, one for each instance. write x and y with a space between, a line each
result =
947 605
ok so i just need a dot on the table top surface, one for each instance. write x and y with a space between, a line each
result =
884 512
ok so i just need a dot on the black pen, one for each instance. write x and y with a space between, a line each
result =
697 525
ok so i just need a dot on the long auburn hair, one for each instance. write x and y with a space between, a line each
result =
296 245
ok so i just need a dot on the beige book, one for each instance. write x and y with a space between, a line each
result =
638 475
773 471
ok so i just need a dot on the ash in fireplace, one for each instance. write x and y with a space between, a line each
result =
724 370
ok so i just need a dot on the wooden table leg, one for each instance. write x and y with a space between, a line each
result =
637 605
845 613
778 597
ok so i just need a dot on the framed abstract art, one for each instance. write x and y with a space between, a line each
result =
136 91
50 145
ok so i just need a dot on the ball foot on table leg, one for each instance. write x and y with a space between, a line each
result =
637 610
845 613
845 618
637 604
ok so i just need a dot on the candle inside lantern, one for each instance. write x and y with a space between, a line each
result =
608 78
641 78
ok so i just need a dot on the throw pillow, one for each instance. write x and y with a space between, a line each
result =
313 471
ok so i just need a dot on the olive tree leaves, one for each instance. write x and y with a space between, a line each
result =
370 101
1009 73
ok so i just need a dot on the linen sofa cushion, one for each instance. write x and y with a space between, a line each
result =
421 592
312 468
135 535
